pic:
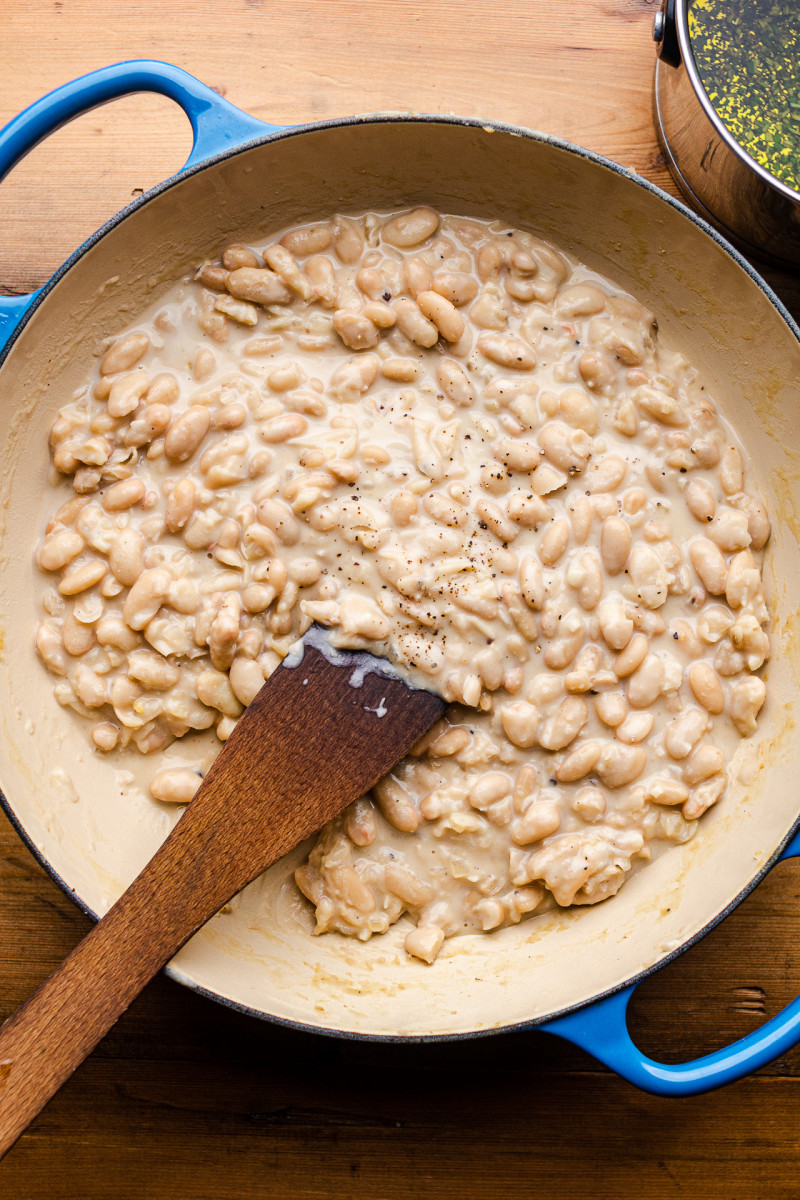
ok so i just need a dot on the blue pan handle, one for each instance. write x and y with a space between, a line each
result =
601 1028
216 124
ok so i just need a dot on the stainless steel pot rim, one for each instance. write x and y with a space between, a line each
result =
687 58
490 127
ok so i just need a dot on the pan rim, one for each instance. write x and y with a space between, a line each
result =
489 126
392 118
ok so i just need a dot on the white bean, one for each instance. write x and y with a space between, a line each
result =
700 501
611 708
224 634
615 625
746 698
126 392
90 687
348 239
711 568
507 351
663 789
151 670
495 520
414 325
145 597
731 471
59 549
279 518
186 433
589 803
123 495
682 735
578 763
424 942
82 577
180 505
111 631
704 761
585 575
399 370
646 682
283 264
578 410
215 691
235 257
562 650
703 797
758 523
581 300
540 821
410 228
395 805
563 727
126 556
78 637
706 687
319 270
632 657
635 728
447 512
444 315
355 377
355 330
568 449
50 648
105 736
124 354
615 544
282 429
175 786
554 542
240 311
488 789
520 722
258 286
455 383
619 765
518 455
456 286
605 474
311 239
729 530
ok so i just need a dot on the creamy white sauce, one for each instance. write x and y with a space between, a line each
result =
444 490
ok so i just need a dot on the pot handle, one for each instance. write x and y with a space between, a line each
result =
601 1028
217 125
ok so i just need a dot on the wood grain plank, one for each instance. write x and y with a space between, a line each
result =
215 1096
517 65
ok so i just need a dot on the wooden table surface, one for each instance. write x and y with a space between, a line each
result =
185 1098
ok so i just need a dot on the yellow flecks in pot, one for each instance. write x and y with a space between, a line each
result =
748 57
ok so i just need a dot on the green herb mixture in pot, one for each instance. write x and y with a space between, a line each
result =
748 57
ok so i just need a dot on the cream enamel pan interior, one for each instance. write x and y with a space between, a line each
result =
96 828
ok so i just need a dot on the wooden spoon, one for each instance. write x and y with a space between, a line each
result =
317 736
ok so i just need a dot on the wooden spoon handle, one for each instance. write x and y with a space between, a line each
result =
311 742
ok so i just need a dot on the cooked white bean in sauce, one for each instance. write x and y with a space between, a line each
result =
453 445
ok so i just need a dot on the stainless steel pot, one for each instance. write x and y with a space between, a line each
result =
93 830
718 178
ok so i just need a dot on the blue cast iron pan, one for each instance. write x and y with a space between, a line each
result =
221 131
